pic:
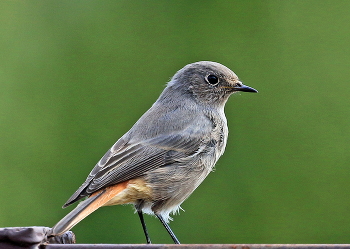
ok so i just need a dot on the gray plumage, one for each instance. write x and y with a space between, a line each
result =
173 146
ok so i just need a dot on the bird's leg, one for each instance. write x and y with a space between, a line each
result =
144 227
167 227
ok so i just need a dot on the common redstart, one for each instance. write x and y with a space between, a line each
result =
168 152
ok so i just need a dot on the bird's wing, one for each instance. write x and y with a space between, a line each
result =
125 161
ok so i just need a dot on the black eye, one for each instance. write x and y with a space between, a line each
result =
212 79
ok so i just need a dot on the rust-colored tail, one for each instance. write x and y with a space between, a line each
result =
86 207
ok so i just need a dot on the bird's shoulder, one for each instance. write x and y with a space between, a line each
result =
184 118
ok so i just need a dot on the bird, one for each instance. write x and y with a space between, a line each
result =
167 153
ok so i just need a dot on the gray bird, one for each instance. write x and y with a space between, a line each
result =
168 152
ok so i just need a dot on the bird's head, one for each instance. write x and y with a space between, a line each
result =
208 82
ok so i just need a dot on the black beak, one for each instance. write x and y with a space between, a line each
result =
244 88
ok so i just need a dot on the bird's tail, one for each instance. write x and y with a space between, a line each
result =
86 207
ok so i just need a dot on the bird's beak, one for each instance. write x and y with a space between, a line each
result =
243 88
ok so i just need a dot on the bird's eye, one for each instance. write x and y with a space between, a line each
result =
212 79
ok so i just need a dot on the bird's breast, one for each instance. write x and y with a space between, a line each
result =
216 141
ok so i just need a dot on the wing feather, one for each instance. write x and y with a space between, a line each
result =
125 161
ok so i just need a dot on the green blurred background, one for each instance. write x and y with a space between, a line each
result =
76 75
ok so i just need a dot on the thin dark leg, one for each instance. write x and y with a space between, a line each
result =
167 227
144 227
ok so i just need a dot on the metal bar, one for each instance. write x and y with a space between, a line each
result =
197 246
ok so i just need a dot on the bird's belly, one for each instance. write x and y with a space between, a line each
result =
172 185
